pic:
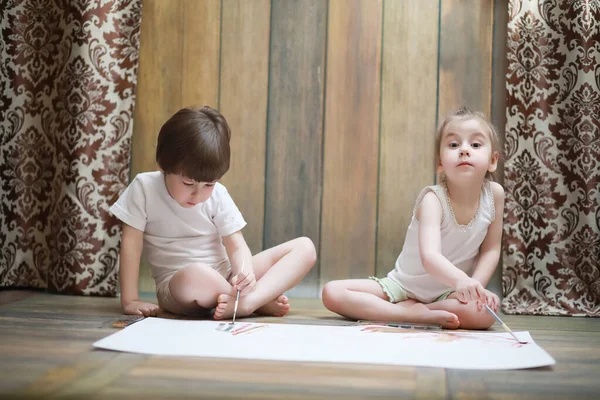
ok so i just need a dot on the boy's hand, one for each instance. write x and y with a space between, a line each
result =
244 281
493 301
141 308
470 289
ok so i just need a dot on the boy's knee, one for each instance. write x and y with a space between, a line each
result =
191 275
307 247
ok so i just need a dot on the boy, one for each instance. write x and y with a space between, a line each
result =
191 231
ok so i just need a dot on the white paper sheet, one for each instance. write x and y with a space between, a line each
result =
334 344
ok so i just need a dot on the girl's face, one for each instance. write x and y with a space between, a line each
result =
466 150
187 192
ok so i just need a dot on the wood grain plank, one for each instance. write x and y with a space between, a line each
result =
256 378
158 93
185 389
351 139
243 102
201 52
9 296
408 114
561 381
87 375
295 128
159 78
431 383
465 55
17 373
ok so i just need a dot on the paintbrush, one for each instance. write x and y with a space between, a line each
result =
506 328
237 296
403 325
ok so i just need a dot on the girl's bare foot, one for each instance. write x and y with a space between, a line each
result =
276 308
225 304
420 313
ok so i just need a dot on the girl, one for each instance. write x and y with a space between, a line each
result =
452 244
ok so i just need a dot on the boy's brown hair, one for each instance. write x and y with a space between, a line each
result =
194 143
467 113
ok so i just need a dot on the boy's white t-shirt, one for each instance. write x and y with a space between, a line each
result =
460 245
174 236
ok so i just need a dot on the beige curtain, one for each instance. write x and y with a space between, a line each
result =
552 170
67 85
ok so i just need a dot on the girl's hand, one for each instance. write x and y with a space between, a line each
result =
470 289
493 301
245 281
141 308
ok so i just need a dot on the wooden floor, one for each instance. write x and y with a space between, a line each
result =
46 352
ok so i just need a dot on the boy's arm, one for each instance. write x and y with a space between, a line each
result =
429 214
129 268
239 253
489 252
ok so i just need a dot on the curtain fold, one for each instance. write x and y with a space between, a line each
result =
552 170
67 95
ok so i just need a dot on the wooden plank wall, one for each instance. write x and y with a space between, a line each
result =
349 208
243 101
295 126
333 106
408 111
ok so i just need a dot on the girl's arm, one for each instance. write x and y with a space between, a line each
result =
239 253
489 252
131 252
429 214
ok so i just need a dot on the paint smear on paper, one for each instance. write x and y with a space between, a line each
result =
239 329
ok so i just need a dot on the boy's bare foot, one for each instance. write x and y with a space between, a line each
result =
420 313
276 308
225 304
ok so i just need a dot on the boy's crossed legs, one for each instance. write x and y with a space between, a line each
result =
199 287
365 299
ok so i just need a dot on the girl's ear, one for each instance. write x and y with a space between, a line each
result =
439 165
494 162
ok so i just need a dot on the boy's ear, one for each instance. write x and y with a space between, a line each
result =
494 162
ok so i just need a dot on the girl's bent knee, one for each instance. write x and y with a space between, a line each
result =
331 296
473 318
484 319
487 321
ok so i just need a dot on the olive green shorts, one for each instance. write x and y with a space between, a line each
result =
396 293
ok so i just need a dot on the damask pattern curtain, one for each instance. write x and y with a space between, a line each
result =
552 170
67 84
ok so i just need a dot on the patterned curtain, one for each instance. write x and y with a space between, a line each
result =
67 84
552 170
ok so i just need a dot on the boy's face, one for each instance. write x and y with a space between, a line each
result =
466 150
187 192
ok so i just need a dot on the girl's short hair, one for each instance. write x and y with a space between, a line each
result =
195 143
465 113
